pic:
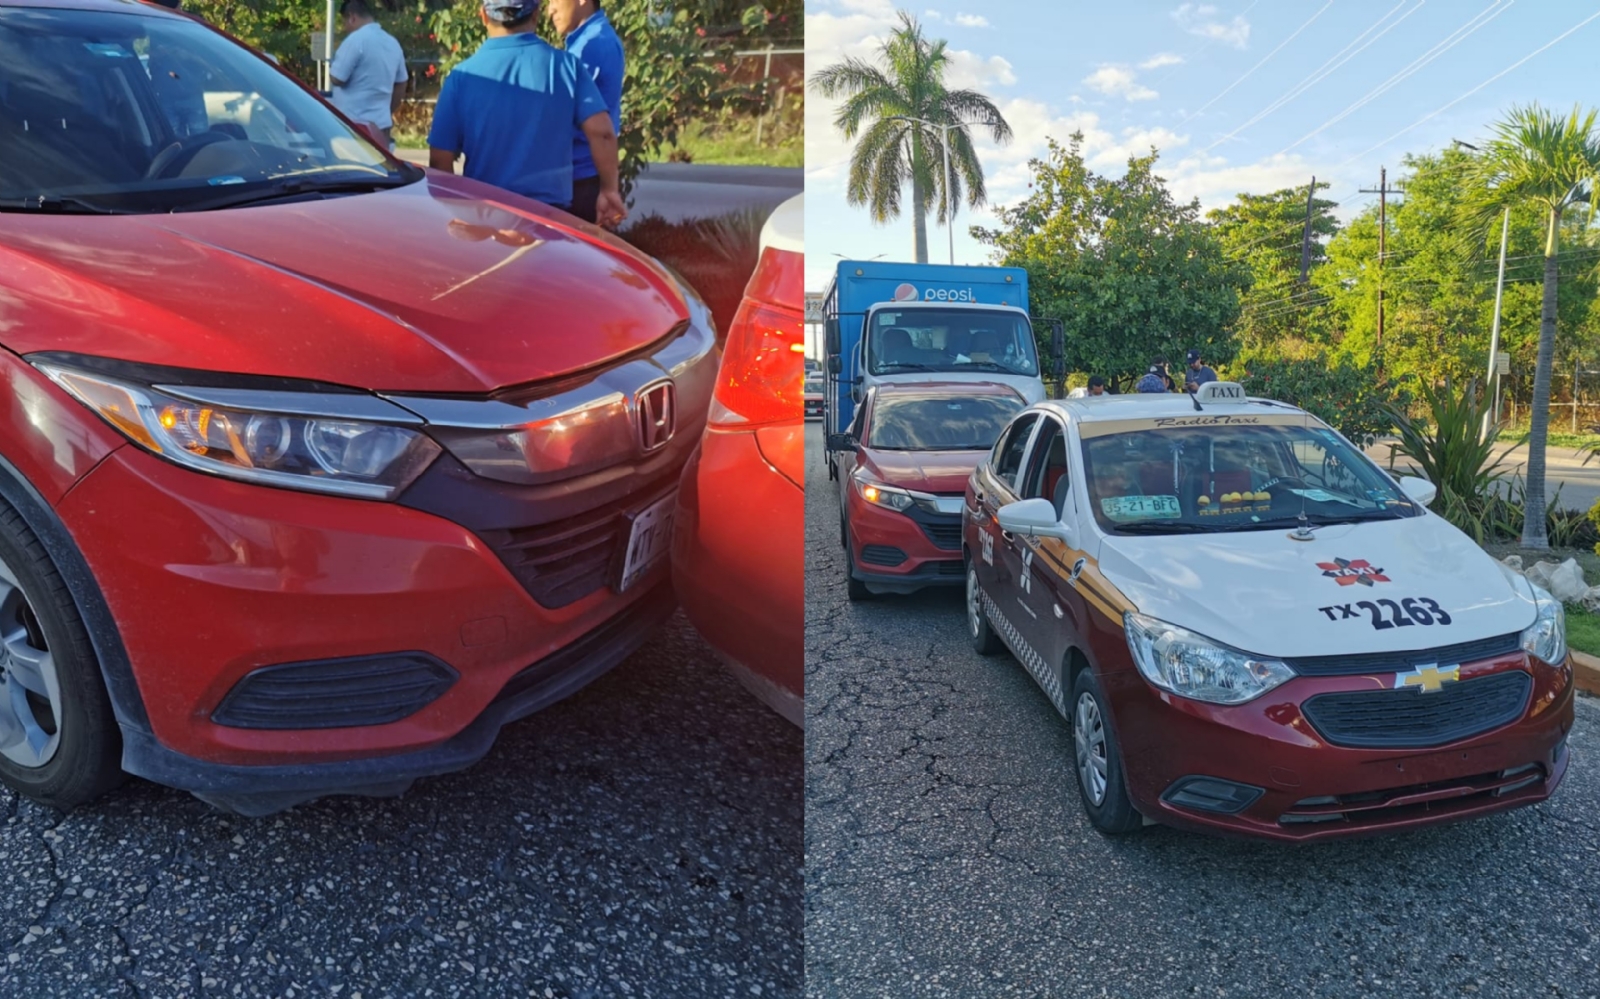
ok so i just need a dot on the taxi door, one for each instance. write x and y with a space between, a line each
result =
995 557
1052 620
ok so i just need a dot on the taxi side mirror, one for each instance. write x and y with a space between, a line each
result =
1419 489
1035 518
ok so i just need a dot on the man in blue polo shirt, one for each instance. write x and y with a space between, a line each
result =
590 36
511 107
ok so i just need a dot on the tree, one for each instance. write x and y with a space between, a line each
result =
1537 158
893 149
1131 273
1263 232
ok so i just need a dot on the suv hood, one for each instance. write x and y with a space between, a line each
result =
443 285
1260 592
937 472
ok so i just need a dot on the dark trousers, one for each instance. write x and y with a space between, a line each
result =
584 194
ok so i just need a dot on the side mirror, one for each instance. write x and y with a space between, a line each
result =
835 365
842 442
1035 518
1419 489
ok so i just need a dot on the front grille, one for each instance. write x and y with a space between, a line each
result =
1401 662
1411 719
562 562
1399 803
944 529
335 693
882 555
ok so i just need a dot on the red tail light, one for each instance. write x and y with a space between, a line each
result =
763 367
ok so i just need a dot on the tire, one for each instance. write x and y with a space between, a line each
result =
59 741
984 641
854 588
1096 755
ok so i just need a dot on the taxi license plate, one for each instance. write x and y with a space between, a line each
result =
649 541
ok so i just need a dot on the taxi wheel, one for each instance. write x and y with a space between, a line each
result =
59 742
1098 761
984 641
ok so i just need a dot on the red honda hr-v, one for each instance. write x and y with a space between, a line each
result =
901 501
315 468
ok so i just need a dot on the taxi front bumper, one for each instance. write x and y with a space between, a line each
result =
1265 770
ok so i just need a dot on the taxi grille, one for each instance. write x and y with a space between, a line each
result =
562 562
1401 662
1411 719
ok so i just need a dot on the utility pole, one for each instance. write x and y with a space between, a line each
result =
1305 236
1383 232
1494 333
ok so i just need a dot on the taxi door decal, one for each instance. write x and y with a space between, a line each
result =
1026 578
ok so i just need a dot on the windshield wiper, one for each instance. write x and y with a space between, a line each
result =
906 365
1169 527
991 366
291 188
1322 520
58 204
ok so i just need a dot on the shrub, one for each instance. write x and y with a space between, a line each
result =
1352 398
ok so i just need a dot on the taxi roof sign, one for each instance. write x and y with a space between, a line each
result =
1221 392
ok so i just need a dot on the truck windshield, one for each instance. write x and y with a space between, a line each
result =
1215 477
935 339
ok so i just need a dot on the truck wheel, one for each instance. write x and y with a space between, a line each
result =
59 742
984 641
1098 761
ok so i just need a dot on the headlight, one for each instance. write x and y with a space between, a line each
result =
271 438
882 495
1190 665
1546 637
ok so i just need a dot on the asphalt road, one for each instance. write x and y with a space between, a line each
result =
679 191
947 853
1565 468
639 839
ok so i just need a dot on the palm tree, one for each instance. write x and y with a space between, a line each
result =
893 148
1538 158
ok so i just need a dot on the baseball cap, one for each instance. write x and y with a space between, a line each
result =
509 11
1193 356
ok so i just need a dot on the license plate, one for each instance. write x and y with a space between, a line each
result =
649 541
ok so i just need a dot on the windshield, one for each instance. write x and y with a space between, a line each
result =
935 339
940 423
149 112
1185 475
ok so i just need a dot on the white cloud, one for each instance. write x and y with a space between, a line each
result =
1217 183
932 15
1119 81
972 20
968 69
1202 20
1161 59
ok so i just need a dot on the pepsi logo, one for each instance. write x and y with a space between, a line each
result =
906 293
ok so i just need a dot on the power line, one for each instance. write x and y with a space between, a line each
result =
1485 83
1324 71
1206 45
1258 65
1439 48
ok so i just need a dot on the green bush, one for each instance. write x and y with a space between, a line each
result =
1352 398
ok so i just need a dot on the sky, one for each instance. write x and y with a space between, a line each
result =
1249 95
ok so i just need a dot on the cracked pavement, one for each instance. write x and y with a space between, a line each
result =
639 839
947 853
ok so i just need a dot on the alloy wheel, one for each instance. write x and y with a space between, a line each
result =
974 603
1089 738
30 691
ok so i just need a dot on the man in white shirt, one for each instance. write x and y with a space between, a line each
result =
369 70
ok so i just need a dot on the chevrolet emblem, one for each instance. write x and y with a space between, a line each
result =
1430 678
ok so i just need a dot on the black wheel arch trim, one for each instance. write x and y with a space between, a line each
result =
116 670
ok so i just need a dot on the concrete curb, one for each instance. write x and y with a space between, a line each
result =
1586 672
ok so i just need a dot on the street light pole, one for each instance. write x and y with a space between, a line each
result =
944 142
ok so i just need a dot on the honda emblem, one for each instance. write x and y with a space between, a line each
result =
658 411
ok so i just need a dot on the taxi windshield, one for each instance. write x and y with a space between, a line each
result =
940 422
933 339
1203 475
111 111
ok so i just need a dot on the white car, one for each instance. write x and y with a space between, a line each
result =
1252 628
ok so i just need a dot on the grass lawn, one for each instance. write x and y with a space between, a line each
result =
1583 630
734 144
1555 438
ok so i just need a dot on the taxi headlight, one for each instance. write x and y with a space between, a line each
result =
1190 665
882 495
258 437
1546 637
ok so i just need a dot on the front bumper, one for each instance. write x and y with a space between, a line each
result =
209 579
1310 789
893 552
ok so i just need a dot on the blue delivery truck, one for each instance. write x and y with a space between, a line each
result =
895 322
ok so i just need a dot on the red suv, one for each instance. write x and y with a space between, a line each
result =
315 468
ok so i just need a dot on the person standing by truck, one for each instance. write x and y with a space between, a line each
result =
369 70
